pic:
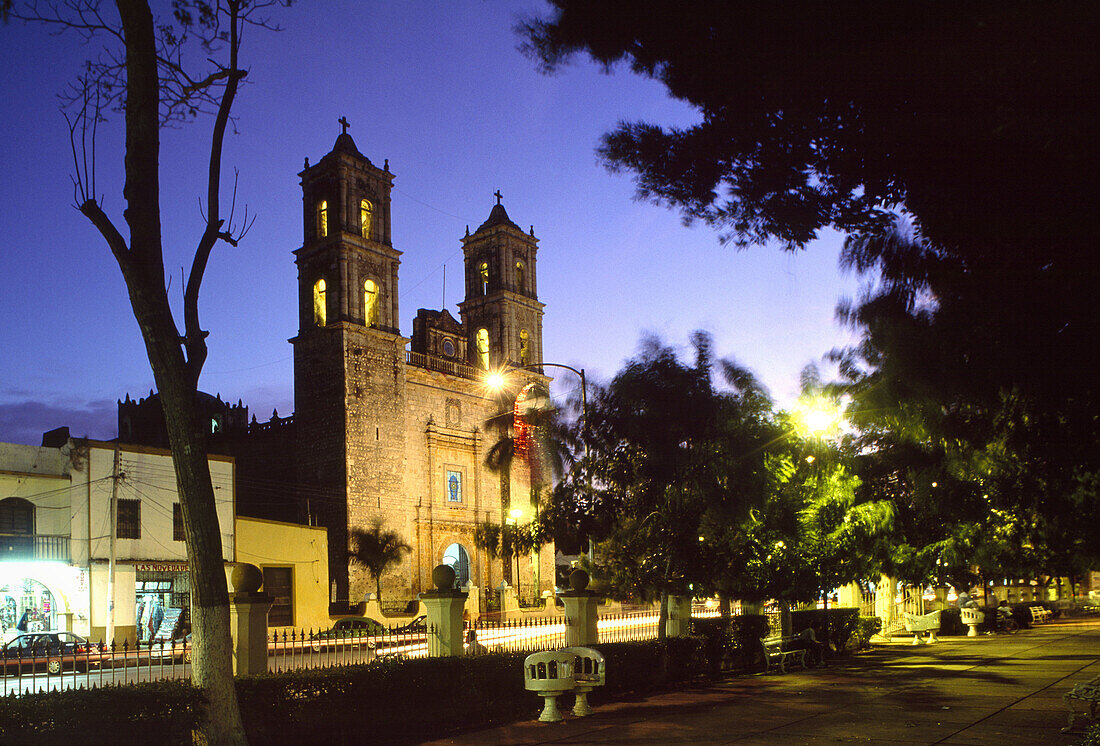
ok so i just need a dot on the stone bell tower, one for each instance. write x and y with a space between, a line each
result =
349 357
501 312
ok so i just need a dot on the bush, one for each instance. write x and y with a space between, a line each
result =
167 710
730 644
386 701
866 626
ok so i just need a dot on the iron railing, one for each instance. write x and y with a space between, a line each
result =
34 547
92 665
443 365
96 665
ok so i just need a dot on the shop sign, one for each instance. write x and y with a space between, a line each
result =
160 566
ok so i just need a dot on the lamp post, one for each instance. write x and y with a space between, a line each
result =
496 381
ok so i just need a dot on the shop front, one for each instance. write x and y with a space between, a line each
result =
42 597
162 600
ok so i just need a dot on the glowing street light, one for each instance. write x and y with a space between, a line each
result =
819 417
496 381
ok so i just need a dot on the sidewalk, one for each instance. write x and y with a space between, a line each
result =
1002 689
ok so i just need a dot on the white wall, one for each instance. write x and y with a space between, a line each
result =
40 476
148 476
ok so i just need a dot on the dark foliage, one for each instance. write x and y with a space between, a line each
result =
825 114
397 701
732 643
952 143
168 710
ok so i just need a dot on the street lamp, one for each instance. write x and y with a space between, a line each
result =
819 417
496 381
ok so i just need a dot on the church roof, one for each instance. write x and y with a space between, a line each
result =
344 144
498 216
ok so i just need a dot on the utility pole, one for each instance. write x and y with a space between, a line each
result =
111 561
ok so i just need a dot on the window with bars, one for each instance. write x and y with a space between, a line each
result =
177 522
128 525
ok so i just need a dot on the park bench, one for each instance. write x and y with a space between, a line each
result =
589 671
1039 614
1087 694
917 623
778 650
549 674
555 672
971 618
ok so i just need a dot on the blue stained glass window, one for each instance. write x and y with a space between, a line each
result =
454 486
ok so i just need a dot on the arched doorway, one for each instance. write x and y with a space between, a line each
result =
457 557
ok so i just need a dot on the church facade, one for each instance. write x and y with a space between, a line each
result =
388 427
395 428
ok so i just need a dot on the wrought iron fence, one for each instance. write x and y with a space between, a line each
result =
628 627
517 635
95 665
92 665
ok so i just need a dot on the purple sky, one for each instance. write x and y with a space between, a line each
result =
441 91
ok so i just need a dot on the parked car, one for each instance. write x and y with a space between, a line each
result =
405 639
177 650
48 651
418 625
352 630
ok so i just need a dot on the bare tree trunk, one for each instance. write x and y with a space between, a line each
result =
176 376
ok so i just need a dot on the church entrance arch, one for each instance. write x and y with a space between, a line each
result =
456 556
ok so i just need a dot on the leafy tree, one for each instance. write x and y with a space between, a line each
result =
816 115
986 450
377 549
149 76
949 141
669 463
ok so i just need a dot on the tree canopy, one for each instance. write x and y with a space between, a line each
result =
829 114
699 487
952 143
971 119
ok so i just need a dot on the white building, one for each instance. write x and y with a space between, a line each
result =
55 529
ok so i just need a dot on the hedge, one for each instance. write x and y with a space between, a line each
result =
387 701
166 710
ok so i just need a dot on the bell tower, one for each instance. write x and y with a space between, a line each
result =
349 357
347 266
501 312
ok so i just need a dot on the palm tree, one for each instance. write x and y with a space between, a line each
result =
537 438
376 548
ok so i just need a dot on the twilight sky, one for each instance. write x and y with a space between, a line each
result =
441 91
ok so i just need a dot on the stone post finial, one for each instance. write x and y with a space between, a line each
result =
578 580
246 578
443 577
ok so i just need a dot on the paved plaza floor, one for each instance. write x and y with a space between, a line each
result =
1000 689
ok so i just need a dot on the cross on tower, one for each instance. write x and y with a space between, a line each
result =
498 195
344 123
